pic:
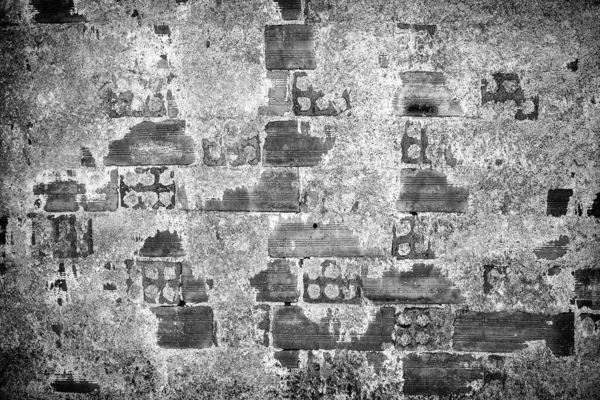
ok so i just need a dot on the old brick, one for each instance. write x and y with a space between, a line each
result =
331 285
286 146
246 152
594 210
423 329
162 30
87 159
150 143
3 229
428 191
160 281
587 288
277 283
288 358
408 141
163 244
310 102
56 12
424 94
439 373
410 245
280 100
193 289
72 190
276 191
172 109
290 9
554 249
532 116
376 360
298 239
62 236
425 284
505 332
508 87
184 327
292 330
67 383
289 47
121 105
148 188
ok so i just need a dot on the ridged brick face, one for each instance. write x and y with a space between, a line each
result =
273 199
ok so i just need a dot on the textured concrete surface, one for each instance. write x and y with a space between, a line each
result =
337 199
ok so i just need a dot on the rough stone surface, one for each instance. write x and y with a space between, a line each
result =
440 373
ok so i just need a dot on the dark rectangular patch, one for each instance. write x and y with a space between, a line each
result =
55 12
554 249
558 201
286 146
288 358
428 191
297 240
425 284
587 288
289 47
3 229
193 289
150 143
440 373
292 330
184 327
276 191
290 9
505 332
67 383
69 192
424 94
62 236
160 281
162 244
277 283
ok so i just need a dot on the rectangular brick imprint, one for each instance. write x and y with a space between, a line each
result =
425 284
68 191
553 249
150 143
428 191
587 288
276 191
287 145
439 373
424 94
62 236
55 12
148 188
423 329
558 201
279 97
505 332
67 383
277 283
292 330
325 282
290 9
297 240
184 327
160 281
193 289
289 47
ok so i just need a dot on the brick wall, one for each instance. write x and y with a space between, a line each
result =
299 199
